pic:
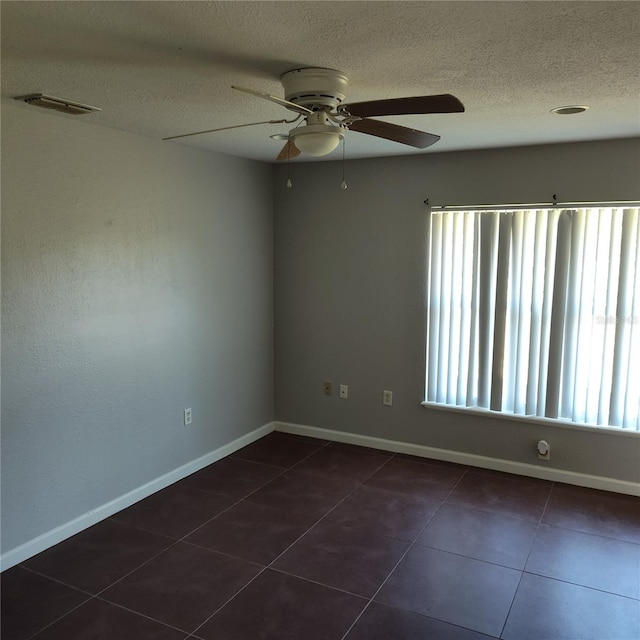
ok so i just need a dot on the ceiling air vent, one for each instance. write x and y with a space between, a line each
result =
58 104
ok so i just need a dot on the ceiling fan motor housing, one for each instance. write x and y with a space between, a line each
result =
315 88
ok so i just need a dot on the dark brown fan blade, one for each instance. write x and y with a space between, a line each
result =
388 131
288 152
443 103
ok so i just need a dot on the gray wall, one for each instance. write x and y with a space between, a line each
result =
349 303
137 280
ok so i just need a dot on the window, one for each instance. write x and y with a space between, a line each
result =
536 312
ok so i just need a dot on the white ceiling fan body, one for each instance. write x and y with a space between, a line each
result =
315 87
322 91
317 95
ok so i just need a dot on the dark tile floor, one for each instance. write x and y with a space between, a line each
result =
293 538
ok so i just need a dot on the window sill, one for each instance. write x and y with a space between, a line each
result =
548 422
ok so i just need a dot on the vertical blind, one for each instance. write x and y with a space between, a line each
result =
536 312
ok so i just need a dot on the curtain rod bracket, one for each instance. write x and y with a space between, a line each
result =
427 201
555 200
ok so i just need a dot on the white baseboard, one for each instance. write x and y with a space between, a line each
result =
496 464
50 538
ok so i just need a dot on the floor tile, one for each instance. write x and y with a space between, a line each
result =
416 478
444 463
295 436
591 511
348 559
545 608
588 560
278 450
345 446
99 620
310 496
280 607
491 537
232 478
190 560
252 531
386 513
98 556
337 461
380 622
183 586
462 591
511 495
174 511
30 602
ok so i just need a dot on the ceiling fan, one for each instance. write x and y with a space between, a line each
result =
316 95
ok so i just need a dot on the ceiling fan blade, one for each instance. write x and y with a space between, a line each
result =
288 152
235 126
388 131
443 103
281 101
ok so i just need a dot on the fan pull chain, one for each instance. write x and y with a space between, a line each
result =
343 184
289 183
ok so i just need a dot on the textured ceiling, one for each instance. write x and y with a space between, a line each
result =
165 68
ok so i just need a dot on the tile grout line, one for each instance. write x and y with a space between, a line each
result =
583 586
64 615
320 584
99 594
243 498
58 581
568 528
389 456
284 470
589 533
237 502
311 526
294 542
524 566
224 604
175 541
94 596
540 523
411 545
139 613
126 575
358 485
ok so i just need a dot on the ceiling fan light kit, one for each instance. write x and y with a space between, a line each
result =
318 137
318 94
317 140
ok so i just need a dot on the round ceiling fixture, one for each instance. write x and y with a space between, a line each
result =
570 110
317 139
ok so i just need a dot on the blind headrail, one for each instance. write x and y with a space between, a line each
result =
532 205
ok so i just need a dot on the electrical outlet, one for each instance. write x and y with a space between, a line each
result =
387 398
328 388
344 391
544 450
187 417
